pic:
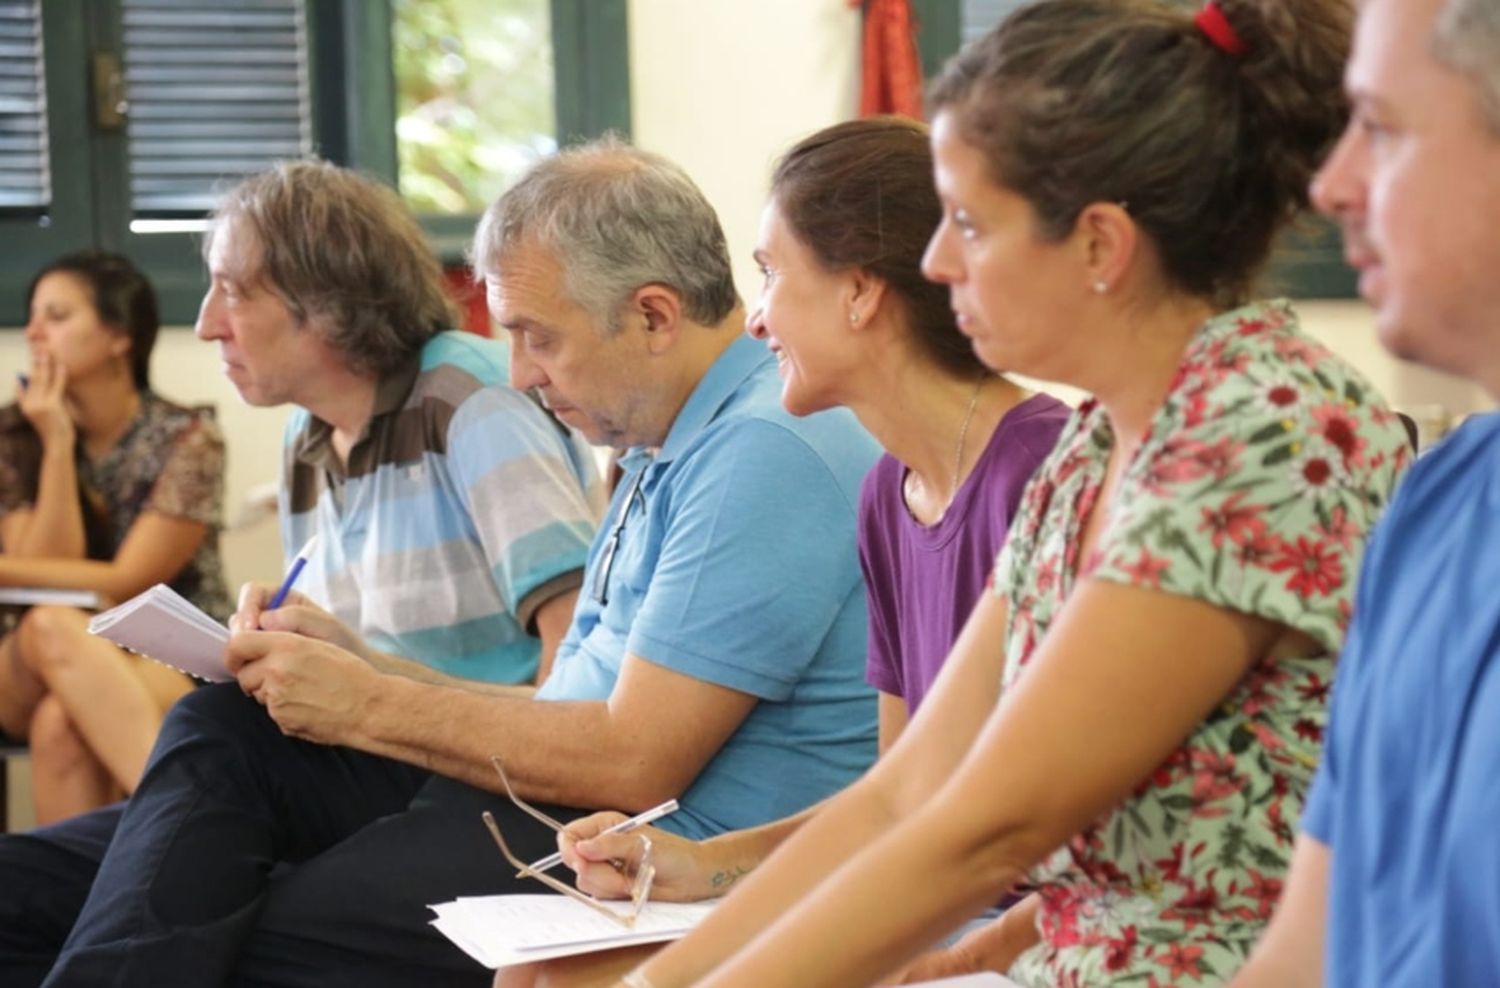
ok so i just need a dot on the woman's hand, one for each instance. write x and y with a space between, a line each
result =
299 615
606 864
993 947
43 400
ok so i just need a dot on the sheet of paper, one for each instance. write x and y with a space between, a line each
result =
501 930
986 980
31 596
165 626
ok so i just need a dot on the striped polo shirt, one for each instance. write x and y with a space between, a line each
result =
463 509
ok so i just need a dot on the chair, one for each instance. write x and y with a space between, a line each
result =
9 750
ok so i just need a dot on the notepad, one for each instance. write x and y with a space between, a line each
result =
502 930
164 625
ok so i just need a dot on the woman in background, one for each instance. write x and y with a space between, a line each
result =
1129 722
104 486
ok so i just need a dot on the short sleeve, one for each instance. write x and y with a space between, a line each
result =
882 663
190 484
1257 489
521 485
757 562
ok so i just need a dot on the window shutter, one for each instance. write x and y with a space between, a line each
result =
981 16
25 174
216 91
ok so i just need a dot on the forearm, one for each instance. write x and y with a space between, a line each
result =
567 753
392 664
826 836
72 574
946 870
55 528
734 855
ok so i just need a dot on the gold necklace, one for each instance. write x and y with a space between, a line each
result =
907 490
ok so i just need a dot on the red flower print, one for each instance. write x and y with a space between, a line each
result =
1046 576
1280 399
1258 547
1316 470
1314 567
1214 779
1265 891
1147 570
1337 425
1181 962
1314 689
1340 530
1233 520
1249 327
1117 950
1308 730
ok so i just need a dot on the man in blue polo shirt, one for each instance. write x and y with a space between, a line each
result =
716 655
1396 878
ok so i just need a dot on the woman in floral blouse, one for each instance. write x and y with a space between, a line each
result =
105 487
1129 723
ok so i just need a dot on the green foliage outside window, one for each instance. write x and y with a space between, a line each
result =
474 98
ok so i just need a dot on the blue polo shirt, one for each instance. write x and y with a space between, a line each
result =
1408 793
736 564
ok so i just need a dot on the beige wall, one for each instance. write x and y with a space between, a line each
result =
722 88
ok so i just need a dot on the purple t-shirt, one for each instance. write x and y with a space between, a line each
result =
922 582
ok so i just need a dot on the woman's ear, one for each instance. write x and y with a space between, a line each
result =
865 294
1111 241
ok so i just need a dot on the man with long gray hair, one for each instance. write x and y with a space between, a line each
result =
715 656
1396 878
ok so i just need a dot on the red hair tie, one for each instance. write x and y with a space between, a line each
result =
1212 22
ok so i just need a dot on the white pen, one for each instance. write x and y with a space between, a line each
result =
623 827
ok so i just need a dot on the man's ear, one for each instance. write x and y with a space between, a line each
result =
660 309
1110 240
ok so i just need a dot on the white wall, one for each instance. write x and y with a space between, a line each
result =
725 88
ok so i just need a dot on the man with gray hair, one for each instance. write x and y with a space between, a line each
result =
716 655
1396 874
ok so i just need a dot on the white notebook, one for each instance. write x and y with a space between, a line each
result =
163 625
501 930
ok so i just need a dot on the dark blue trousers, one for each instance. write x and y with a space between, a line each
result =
249 858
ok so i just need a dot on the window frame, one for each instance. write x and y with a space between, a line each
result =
352 96
1309 259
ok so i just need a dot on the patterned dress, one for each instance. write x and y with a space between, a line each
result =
1254 491
170 461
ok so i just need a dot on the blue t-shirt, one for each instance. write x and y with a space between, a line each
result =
1408 793
737 565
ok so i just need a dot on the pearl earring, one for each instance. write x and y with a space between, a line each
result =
1101 287
854 317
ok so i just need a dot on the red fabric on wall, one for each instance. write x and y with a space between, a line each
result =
891 67
468 297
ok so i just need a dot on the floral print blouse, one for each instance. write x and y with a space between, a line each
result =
170 461
1261 476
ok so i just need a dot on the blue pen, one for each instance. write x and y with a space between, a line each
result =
293 573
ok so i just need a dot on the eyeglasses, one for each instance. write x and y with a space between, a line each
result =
600 590
645 871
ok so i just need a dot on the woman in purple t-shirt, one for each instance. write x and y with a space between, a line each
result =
852 322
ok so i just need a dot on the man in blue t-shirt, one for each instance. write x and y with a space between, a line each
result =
716 654
1396 879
